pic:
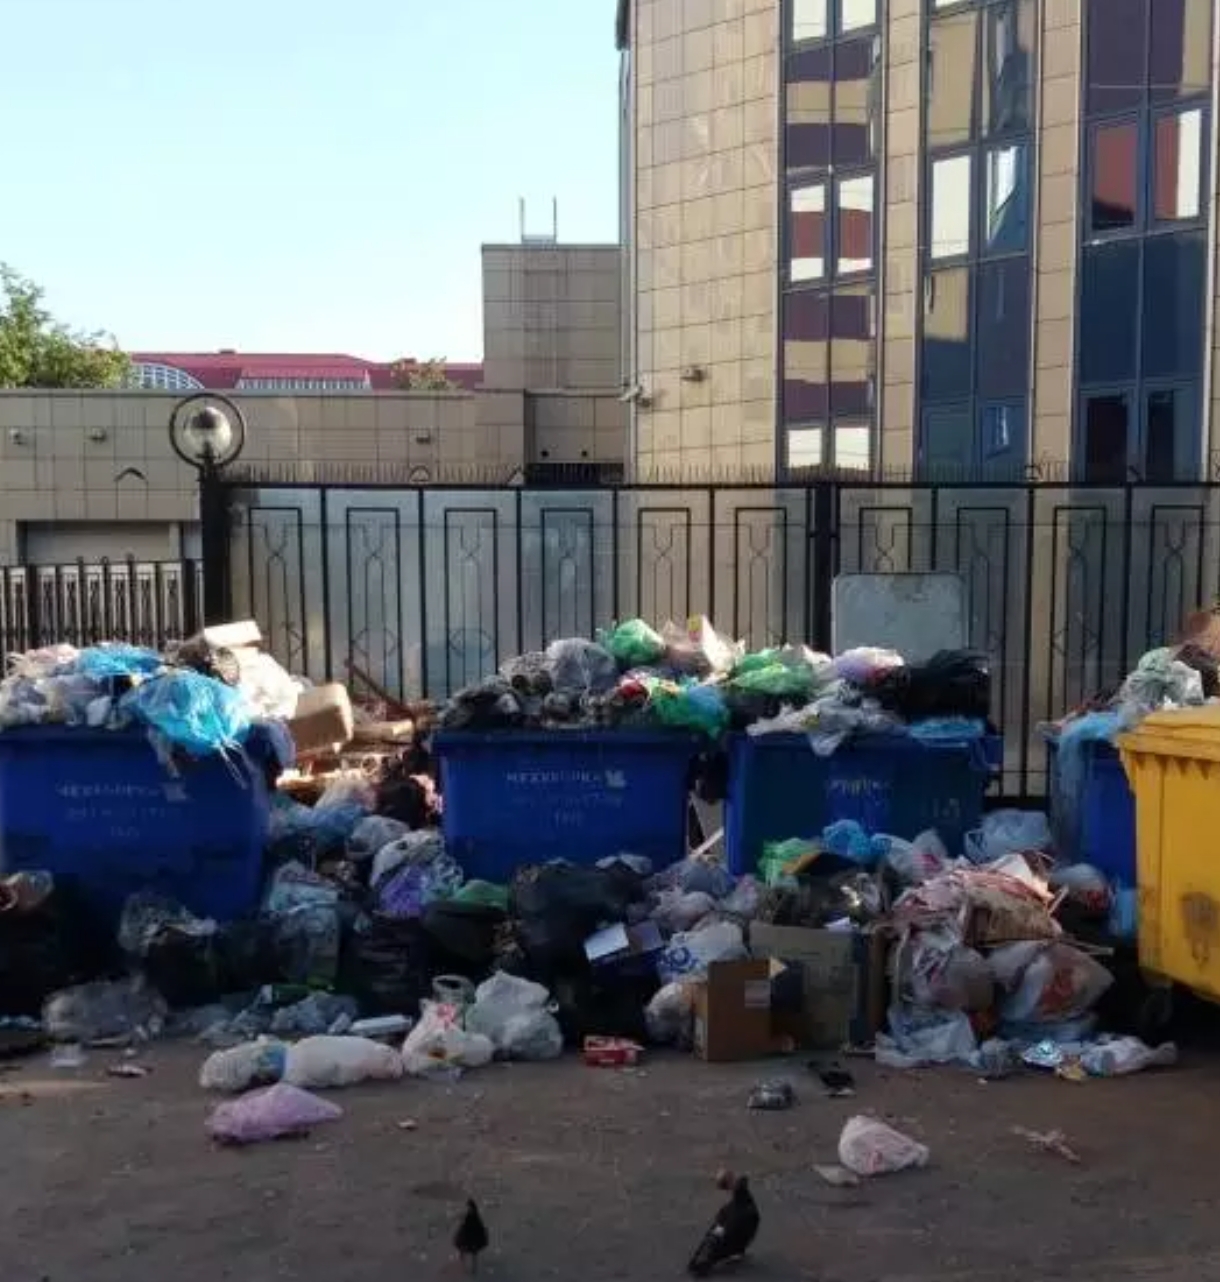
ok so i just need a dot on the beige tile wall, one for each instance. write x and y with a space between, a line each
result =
1057 231
552 316
705 233
900 284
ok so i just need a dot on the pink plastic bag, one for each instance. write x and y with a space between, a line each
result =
869 1147
270 1114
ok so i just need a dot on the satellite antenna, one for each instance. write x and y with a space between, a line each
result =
539 238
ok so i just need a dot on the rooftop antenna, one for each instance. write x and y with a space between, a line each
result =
539 238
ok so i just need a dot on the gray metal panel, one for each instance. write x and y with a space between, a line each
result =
915 614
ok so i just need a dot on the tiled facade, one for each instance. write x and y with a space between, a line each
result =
954 237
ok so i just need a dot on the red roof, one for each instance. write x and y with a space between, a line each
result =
222 371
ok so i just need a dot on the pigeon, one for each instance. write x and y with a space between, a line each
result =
471 1237
731 1232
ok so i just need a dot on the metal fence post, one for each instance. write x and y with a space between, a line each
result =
214 540
823 535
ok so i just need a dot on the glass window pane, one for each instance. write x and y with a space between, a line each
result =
1002 439
1009 33
947 446
1002 328
855 101
853 350
1181 48
809 19
854 232
804 447
1006 211
952 78
807 130
855 14
951 207
1109 312
1114 172
1106 420
1117 36
1175 283
947 363
807 233
1171 434
853 447
806 355
1177 181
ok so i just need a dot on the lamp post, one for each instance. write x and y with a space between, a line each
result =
208 433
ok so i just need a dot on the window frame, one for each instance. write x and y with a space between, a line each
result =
829 428
833 9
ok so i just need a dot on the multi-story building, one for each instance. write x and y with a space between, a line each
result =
954 237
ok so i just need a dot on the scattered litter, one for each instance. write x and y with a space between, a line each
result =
870 1147
69 1056
838 1177
1050 1142
276 1112
839 1083
128 1070
408 1124
611 1052
771 1096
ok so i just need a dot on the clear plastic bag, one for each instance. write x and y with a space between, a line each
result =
372 835
678 910
914 862
868 1146
515 1015
305 908
670 1015
438 1045
689 954
273 1113
744 900
193 713
124 1010
1007 832
238 1068
1061 983
319 1063
581 667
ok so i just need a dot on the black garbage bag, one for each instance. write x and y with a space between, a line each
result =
558 906
38 956
595 1004
386 965
953 683
461 937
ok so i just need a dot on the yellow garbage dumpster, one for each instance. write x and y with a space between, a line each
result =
1172 760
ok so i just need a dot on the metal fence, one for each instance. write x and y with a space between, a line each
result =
425 589
148 603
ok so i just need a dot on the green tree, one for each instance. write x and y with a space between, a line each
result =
424 376
36 350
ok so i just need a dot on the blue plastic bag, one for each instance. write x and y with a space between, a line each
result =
191 712
105 662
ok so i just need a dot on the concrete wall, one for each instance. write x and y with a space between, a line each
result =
552 316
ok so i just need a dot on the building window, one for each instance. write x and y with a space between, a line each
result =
831 103
152 376
974 324
1141 322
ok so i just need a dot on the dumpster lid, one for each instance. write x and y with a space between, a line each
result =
1177 732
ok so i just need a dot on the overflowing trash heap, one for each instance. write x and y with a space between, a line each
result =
371 954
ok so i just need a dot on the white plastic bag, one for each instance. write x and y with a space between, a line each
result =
1085 885
514 1015
914 862
438 1045
870 1147
1121 1056
270 1114
326 1061
670 1015
687 956
240 1067
925 1037
1008 832
678 910
1061 983
373 834
744 900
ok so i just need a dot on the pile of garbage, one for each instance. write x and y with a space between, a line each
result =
983 972
198 699
691 678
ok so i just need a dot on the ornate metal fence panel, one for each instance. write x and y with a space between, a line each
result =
423 590
148 603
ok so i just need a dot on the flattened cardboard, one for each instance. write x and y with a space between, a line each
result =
323 719
733 1011
844 981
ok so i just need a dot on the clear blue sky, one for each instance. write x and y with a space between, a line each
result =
312 175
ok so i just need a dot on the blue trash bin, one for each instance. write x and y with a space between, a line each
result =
779 788
1097 825
96 808
514 797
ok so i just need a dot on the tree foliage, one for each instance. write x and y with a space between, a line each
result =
36 350
424 376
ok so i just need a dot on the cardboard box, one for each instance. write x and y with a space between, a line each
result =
733 1011
844 982
323 719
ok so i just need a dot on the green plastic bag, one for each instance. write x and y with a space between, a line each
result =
753 661
778 856
690 706
780 679
484 893
633 643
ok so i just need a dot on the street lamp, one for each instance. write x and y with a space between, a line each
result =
208 433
